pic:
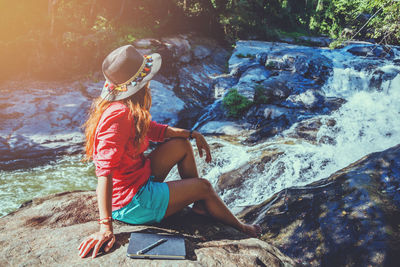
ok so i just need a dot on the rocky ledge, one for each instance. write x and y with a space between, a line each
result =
351 218
47 231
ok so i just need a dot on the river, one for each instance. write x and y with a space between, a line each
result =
367 122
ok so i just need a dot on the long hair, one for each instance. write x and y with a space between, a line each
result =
139 110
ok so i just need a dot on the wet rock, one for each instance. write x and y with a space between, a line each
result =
52 228
348 219
146 43
195 82
289 70
268 128
307 130
249 79
201 52
310 99
180 47
381 75
278 87
269 111
222 84
234 180
371 51
315 41
165 104
280 62
223 128
286 39
48 121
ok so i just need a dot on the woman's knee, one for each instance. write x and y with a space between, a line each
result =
183 144
206 187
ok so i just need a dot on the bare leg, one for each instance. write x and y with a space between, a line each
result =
176 151
187 191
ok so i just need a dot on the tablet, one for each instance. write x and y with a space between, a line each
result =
156 246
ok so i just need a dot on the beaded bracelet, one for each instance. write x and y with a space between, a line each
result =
105 220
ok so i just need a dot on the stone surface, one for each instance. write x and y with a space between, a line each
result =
47 232
223 128
310 99
165 104
371 51
315 41
351 218
180 47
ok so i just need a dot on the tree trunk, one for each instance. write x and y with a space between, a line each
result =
52 11
121 11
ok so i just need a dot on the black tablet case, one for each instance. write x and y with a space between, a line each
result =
173 249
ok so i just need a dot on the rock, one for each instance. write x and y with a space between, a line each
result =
47 232
272 112
276 88
286 39
180 48
146 43
278 62
268 128
383 74
315 41
223 127
233 182
249 79
43 120
195 82
260 114
222 84
289 70
254 75
348 219
166 105
371 51
310 99
307 129
201 52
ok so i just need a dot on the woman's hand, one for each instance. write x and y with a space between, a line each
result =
202 144
95 241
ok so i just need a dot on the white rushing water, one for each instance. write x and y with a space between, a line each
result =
368 122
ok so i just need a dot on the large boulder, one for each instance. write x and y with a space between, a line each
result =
47 232
351 218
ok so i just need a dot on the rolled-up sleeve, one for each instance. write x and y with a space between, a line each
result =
156 132
112 136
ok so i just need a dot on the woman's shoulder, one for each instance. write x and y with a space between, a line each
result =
116 108
115 111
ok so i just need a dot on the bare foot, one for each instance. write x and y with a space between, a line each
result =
199 208
253 230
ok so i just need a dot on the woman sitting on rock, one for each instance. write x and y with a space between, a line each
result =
131 186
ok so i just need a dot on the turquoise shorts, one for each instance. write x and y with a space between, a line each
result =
147 206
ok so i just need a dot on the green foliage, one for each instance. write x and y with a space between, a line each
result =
73 36
236 104
269 20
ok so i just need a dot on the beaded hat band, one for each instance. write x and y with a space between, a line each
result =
119 64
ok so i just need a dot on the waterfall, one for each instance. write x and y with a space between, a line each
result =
369 121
